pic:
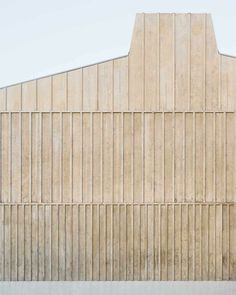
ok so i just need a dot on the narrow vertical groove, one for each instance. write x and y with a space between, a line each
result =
118 242
194 157
221 258
208 253
41 161
143 157
36 95
1 190
189 61
167 242
91 152
61 157
82 90
23 206
44 244
71 159
67 91
125 206
112 242
97 86
30 160
159 67
204 157
82 162
3 242
204 62
72 241
214 157
219 83
51 83
225 157
122 161
173 243
194 242
10 246
215 242
85 243
188 241
140 242
147 252
105 239
65 260
153 242
21 184
144 67
10 156
181 244
99 255
228 214
154 158
21 96
174 60
159 248
102 188
163 157
200 207
132 206
37 276
173 155
112 103
184 158
132 158
58 243
112 162
79 262
51 158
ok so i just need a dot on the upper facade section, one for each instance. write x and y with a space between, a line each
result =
173 65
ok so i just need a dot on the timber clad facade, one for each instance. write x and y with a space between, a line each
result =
124 170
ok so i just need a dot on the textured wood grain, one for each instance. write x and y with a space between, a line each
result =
160 245
173 64
140 157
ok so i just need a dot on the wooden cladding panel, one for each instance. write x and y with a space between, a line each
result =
173 65
118 242
117 157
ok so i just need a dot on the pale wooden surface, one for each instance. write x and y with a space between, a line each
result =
116 157
124 170
118 242
173 64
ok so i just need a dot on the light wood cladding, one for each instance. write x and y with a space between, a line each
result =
116 157
125 169
118 242
173 65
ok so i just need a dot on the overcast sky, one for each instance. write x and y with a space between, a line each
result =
43 37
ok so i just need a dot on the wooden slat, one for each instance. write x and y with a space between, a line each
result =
182 61
44 94
136 65
75 98
166 61
197 59
105 86
120 82
59 92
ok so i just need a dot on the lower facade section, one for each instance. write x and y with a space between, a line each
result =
118 242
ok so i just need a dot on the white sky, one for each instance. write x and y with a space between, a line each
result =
43 37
